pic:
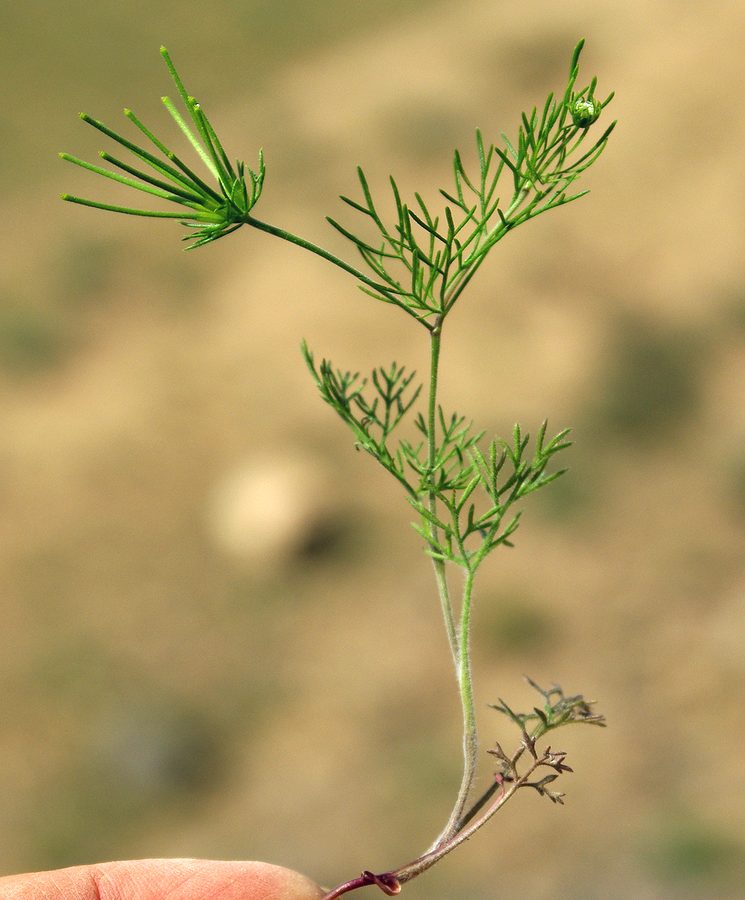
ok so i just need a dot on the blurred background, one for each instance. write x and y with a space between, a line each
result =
219 635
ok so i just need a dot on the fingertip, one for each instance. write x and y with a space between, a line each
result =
153 879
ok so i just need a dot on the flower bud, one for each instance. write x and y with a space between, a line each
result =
585 111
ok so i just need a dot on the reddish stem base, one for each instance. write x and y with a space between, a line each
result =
388 884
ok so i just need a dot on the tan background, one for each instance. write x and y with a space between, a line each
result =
219 637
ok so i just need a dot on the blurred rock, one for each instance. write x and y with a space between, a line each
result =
271 510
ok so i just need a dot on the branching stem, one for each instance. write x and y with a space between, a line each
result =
332 258
390 882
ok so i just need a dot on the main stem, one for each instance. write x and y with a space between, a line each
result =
470 734
439 564
459 638
458 635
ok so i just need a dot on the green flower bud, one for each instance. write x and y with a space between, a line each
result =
585 111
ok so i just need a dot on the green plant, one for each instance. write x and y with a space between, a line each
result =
465 492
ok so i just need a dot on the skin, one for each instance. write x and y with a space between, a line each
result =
163 879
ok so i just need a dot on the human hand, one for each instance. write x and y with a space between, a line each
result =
156 879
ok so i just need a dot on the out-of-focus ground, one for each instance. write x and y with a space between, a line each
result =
219 636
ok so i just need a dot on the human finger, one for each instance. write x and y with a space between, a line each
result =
154 879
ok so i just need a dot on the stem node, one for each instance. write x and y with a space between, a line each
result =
387 882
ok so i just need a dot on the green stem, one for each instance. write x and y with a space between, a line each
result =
447 609
385 292
459 836
439 564
459 638
470 734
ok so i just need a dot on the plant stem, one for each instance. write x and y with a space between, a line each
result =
427 860
497 234
387 883
390 882
470 734
459 639
439 564
385 292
